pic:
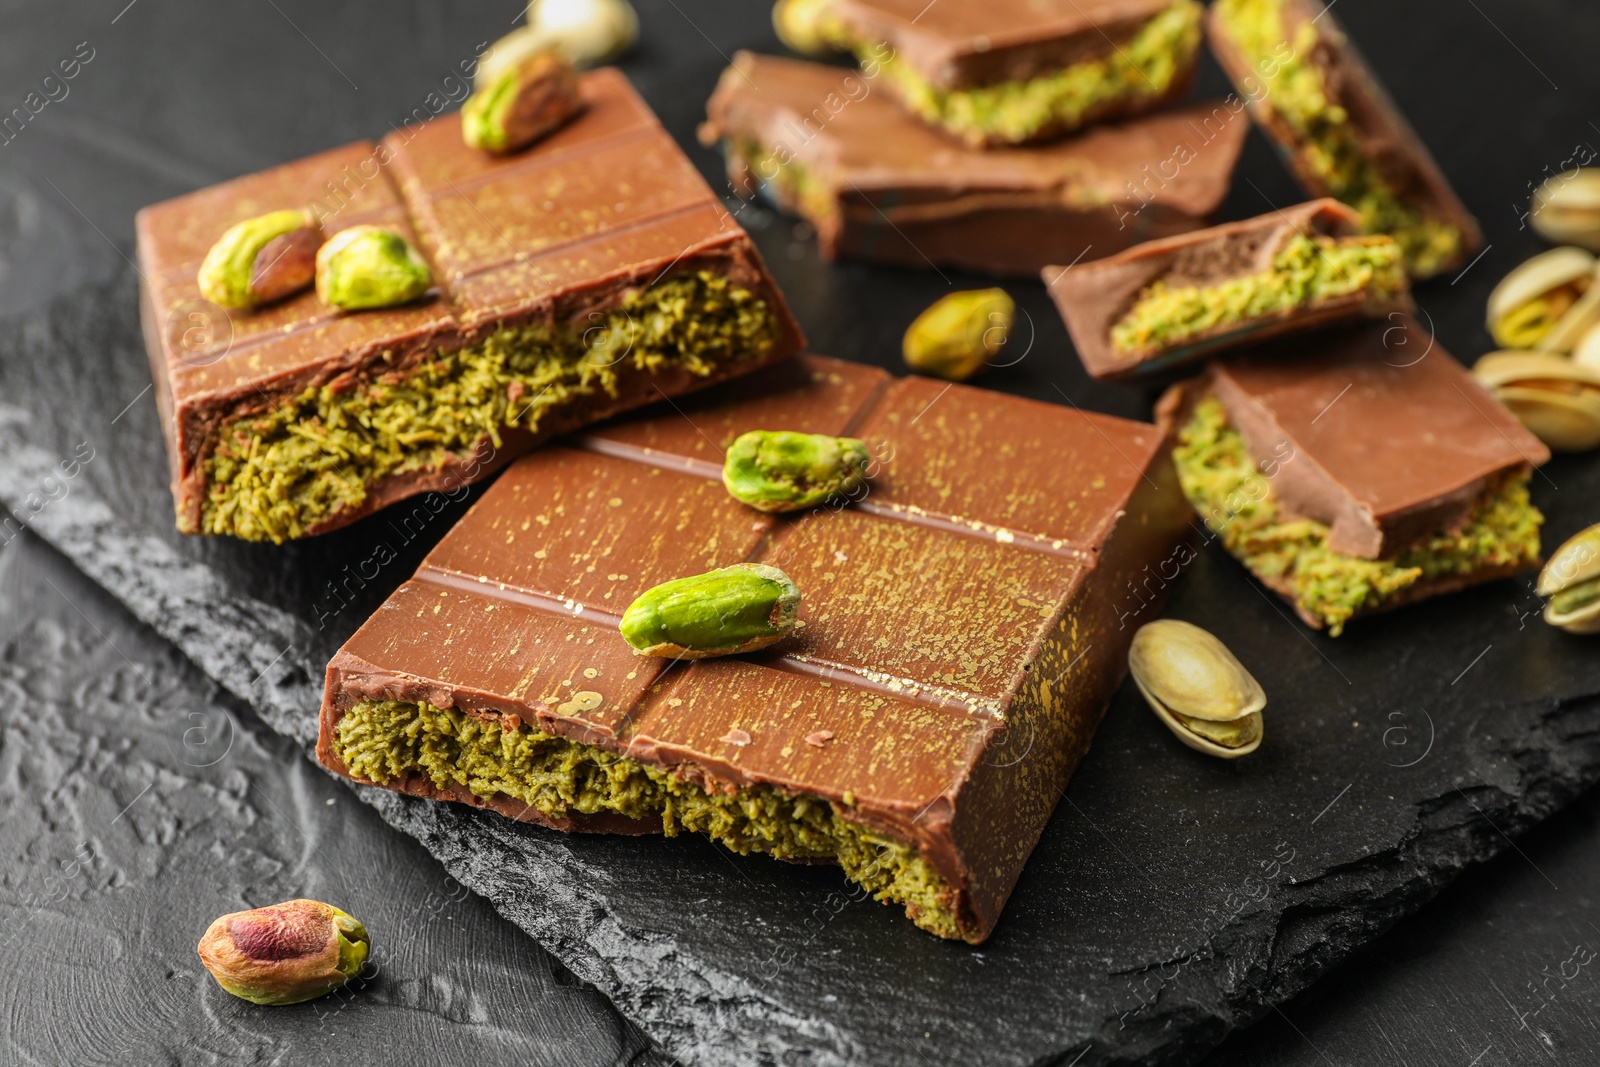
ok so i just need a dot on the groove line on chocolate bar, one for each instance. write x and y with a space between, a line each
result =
520 166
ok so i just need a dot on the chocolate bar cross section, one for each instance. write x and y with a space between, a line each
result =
965 623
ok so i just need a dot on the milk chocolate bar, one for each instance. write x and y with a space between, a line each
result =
1165 303
965 623
1315 96
1016 71
878 185
1368 471
588 275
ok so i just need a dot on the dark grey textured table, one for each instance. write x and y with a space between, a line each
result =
141 800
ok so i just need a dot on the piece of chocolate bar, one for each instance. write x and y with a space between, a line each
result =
1315 96
880 186
1015 71
1359 470
1166 303
964 625
591 274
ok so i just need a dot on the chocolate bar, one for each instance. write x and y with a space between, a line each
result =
965 623
1315 96
591 274
1165 303
880 186
1366 472
1016 71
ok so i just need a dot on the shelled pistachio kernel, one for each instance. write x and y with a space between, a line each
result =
720 613
806 26
526 102
261 260
1198 688
370 267
1547 303
1571 582
1555 397
780 470
960 332
284 953
1566 208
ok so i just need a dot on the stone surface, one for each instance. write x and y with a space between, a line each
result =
1136 934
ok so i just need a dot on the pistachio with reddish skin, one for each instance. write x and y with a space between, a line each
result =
284 953
523 104
370 267
261 260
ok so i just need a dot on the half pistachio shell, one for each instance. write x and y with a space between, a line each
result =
1198 688
1571 582
1555 397
1566 208
1548 303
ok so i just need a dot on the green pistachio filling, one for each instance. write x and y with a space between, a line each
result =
788 183
1235 500
1295 90
1306 272
1143 67
273 476
384 741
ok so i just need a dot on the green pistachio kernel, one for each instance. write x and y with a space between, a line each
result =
231 275
959 333
779 470
285 953
520 105
736 609
370 267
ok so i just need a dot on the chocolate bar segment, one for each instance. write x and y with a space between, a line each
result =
965 625
1315 96
1367 471
881 186
591 274
1017 71
1166 303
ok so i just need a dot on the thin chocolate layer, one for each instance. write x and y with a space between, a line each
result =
881 186
966 622
1094 297
554 236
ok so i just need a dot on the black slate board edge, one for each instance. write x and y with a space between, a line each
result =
706 1016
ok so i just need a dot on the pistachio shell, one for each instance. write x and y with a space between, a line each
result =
1567 423
1513 368
1569 329
1197 688
1518 315
1566 208
1544 272
1571 581
1586 353
720 613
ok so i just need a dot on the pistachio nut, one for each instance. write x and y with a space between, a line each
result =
522 105
1547 303
1556 398
1197 688
1566 208
807 26
1587 352
285 953
370 267
779 470
955 337
261 260
736 609
1571 581
584 32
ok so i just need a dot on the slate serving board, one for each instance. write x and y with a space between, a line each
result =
1172 898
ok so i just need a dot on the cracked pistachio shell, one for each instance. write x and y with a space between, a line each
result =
1546 302
370 267
260 260
720 613
956 336
779 470
1197 688
806 26
1571 582
1566 208
1556 398
285 953
526 102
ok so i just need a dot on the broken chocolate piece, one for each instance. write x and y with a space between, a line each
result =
966 624
1165 303
589 275
880 186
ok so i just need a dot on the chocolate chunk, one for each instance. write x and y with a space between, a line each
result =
965 625
880 186
1294 257
548 253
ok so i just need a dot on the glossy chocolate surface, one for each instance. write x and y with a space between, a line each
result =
965 622
890 189
1094 297
607 203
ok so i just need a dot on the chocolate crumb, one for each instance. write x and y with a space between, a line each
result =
736 736
819 737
